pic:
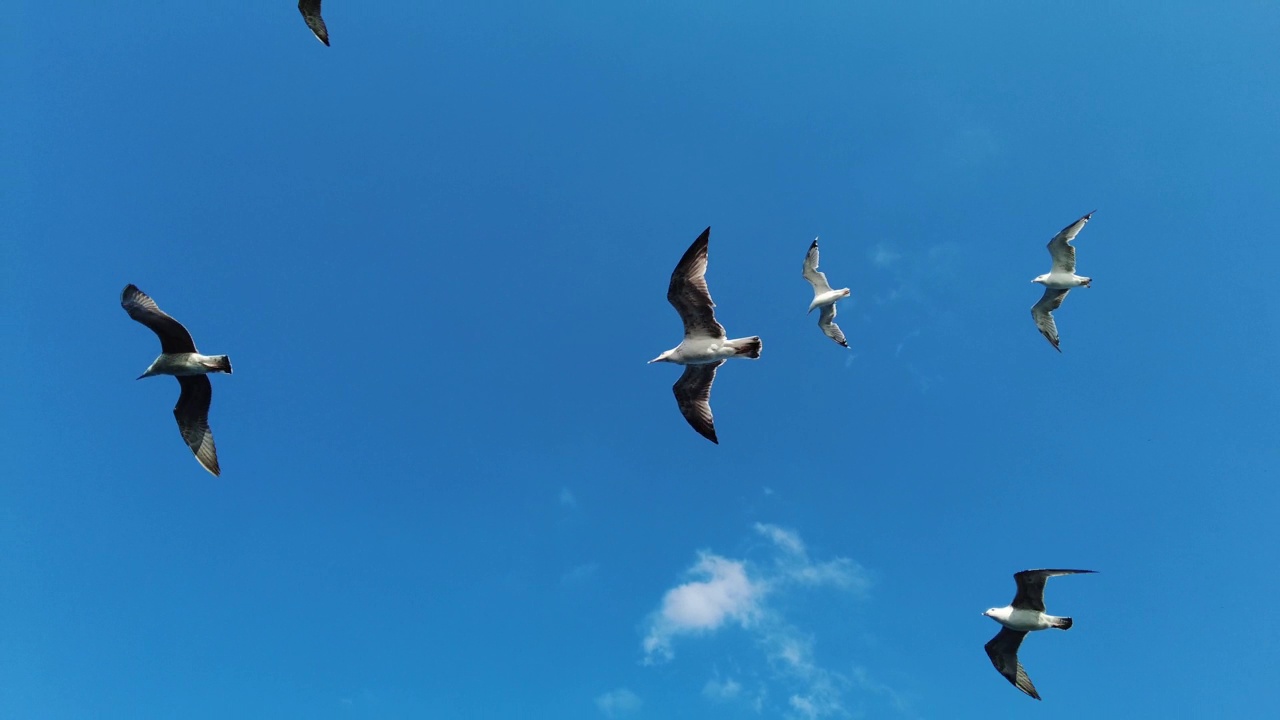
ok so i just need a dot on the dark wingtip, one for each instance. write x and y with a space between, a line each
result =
814 244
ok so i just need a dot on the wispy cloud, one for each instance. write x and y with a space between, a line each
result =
567 498
794 563
579 573
914 274
882 256
747 594
618 703
721 690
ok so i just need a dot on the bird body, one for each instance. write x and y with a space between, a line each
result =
191 363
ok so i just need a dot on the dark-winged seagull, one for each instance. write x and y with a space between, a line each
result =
705 346
310 10
1059 281
823 296
178 357
1025 614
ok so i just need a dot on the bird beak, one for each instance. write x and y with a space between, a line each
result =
655 360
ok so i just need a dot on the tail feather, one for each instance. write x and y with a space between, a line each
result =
748 346
223 364
1062 623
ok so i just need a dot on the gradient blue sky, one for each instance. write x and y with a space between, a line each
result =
437 254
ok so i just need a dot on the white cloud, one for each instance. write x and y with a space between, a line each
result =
743 593
726 594
619 702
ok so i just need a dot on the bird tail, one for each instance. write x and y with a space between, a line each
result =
748 346
222 363
1062 623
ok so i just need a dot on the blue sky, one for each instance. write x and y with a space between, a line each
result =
437 254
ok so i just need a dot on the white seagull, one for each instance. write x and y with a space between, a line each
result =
310 10
1025 614
1059 281
823 296
178 357
705 346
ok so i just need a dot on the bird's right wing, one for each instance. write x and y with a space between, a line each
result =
1042 313
1003 651
693 395
310 10
827 321
192 414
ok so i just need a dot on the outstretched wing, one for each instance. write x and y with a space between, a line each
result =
1061 250
174 338
1030 595
693 395
827 321
810 271
1003 651
688 292
1042 313
310 10
192 414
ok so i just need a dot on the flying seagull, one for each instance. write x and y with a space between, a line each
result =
705 346
1059 281
178 357
1023 615
310 10
823 296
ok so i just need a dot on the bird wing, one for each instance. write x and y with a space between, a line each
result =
1030 595
1061 250
1003 651
192 414
174 338
810 271
310 10
1042 313
827 321
688 292
693 395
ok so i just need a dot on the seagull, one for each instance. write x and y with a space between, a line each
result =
705 346
1023 615
310 10
823 296
1059 281
178 357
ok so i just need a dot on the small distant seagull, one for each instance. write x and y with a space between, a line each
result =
1059 281
705 346
178 357
1025 614
310 10
823 296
